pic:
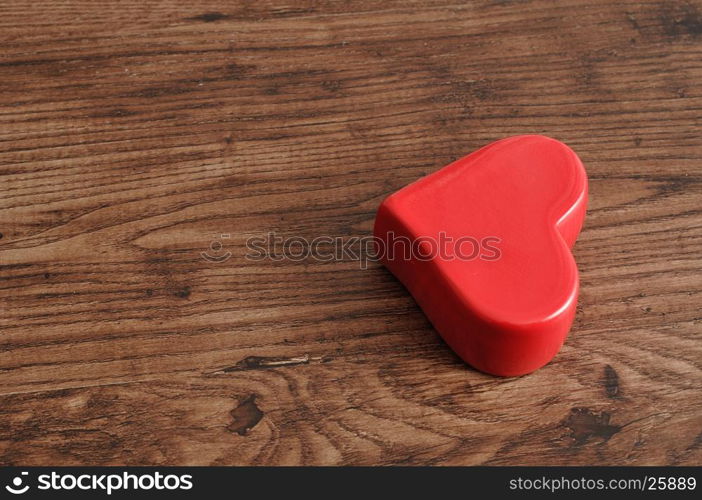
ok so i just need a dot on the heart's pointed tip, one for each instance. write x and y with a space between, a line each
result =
519 204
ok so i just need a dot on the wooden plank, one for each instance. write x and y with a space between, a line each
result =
133 137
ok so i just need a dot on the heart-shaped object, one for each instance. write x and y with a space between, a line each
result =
483 245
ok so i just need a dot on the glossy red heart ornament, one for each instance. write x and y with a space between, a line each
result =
483 245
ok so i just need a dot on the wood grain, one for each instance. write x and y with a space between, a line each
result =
133 135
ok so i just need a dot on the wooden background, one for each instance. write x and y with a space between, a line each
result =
134 134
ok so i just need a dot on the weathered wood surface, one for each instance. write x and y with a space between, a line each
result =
131 135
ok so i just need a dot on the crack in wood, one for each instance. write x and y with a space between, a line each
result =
263 362
245 416
585 424
610 382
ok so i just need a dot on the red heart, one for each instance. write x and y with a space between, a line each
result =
503 292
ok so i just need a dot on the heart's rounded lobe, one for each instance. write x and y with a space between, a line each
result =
483 245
